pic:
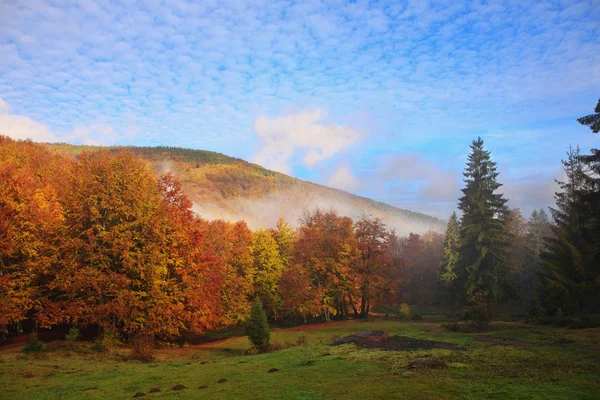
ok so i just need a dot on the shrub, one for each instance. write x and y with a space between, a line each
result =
99 346
478 312
257 327
417 317
143 348
34 345
73 334
405 311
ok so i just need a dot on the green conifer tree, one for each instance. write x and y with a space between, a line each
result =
257 327
481 266
447 275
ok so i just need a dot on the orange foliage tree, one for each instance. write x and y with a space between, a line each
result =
31 221
325 248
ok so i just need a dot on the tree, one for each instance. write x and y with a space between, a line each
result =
592 120
115 265
371 262
565 260
325 247
257 327
31 224
515 237
268 268
482 264
284 236
447 275
590 198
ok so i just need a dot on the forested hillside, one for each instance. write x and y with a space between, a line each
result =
223 187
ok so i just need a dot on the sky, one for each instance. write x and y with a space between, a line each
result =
381 99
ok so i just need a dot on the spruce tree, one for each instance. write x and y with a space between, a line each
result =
565 258
482 267
590 198
257 327
447 274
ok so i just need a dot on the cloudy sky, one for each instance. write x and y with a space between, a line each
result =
378 98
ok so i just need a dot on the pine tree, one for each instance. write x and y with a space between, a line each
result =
447 274
257 327
565 260
592 120
482 260
590 199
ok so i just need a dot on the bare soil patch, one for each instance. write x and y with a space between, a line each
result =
402 343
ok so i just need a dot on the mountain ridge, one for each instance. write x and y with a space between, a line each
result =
230 188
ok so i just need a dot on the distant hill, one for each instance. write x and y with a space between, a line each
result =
224 187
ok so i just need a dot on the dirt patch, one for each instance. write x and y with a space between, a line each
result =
363 337
154 390
179 387
312 327
501 341
402 343
139 394
273 370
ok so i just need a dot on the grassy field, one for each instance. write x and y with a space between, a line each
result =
516 361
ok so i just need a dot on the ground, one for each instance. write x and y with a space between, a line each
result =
516 360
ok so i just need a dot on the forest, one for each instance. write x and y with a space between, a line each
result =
99 241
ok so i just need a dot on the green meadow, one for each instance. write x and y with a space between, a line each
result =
515 360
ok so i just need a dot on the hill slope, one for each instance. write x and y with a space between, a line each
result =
228 188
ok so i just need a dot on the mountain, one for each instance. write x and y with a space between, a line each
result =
224 187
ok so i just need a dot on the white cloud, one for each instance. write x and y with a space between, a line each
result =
343 179
305 134
22 127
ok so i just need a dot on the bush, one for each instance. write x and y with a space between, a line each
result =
99 346
405 311
417 317
257 327
143 348
73 334
478 312
34 345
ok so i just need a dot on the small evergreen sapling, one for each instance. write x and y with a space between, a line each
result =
257 327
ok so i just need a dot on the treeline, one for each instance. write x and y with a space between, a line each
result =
491 255
101 241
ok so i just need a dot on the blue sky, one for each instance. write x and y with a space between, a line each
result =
378 98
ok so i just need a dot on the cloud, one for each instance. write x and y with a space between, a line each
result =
304 134
22 127
429 180
343 179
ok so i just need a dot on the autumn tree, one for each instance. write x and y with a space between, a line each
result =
115 270
482 263
372 259
31 223
284 236
268 268
230 245
325 248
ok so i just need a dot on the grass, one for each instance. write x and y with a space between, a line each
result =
541 363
